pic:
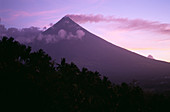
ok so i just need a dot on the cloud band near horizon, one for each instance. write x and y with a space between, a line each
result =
124 23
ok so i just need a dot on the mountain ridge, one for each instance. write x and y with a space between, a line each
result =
67 18
78 45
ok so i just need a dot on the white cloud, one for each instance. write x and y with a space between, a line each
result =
70 35
51 38
40 37
80 34
62 33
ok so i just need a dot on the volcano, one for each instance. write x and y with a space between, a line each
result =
67 39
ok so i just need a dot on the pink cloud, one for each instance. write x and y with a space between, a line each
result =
87 18
24 13
125 23
12 14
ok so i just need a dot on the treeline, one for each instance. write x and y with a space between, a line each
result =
32 81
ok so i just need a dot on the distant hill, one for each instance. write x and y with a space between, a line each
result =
67 39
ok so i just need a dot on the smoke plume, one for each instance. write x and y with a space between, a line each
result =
125 23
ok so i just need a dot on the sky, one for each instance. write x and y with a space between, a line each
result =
142 26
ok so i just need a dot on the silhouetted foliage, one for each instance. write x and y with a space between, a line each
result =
31 81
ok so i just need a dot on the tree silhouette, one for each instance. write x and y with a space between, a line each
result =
32 81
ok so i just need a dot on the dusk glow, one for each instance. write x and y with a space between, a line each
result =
142 26
85 55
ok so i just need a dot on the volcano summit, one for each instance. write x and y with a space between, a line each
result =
67 39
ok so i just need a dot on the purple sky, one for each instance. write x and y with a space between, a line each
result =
142 26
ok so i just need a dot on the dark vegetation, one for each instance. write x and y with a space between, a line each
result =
31 81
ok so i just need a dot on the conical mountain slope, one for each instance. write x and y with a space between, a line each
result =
76 44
